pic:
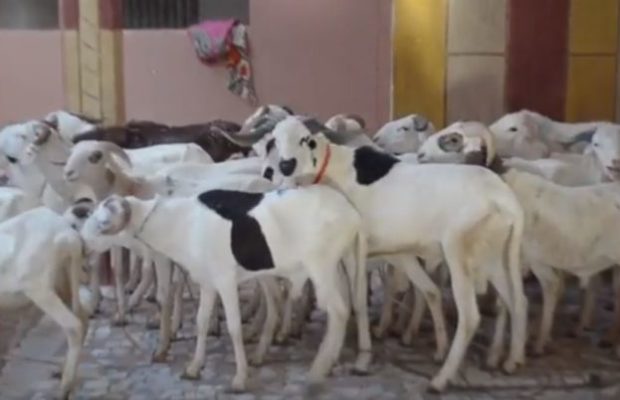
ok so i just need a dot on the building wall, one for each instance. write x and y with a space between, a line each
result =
31 82
478 59
319 57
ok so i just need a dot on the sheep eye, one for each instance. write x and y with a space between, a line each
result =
450 143
405 128
512 129
95 157
595 144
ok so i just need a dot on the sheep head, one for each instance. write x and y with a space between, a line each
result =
110 217
460 143
404 135
346 123
90 161
519 134
301 147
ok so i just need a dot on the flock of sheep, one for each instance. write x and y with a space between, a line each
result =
286 196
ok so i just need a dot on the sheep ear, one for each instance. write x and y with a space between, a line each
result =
420 123
42 133
585 136
477 156
52 121
314 126
95 156
288 110
81 211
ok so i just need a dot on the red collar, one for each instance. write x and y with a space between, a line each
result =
328 155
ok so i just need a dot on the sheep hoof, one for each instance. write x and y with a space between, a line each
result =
159 357
439 356
119 322
57 374
509 366
64 395
357 371
491 364
436 386
378 333
295 334
281 340
152 325
151 299
605 343
406 340
188 376
256 360
237 386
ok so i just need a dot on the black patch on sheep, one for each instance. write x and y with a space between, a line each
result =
313 126
271 143
248 243
268 174
371 165
480 158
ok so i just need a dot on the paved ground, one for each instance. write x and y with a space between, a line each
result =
115 365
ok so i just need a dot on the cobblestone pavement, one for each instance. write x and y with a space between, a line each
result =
115 365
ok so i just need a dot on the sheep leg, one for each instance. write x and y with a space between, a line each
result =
205 308
355 264
177 310
404 311
468 314
151 294
551 287
230 299
95 283
387 313
214 325
410 264
120 319
251 306
330 298
163 271
143 286
613 334
257 321
413 328
589 301
294 293
269 287
134 272
52 305
497 344
304 309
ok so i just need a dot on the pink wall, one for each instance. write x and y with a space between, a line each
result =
320 57
30 74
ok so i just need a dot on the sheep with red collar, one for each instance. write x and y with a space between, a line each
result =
41 259
225 237
409 210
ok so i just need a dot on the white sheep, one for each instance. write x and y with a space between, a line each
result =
346 123
530 135
40 260
471 215
94 165
567 229
404 135
69 124
50 151
224 237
